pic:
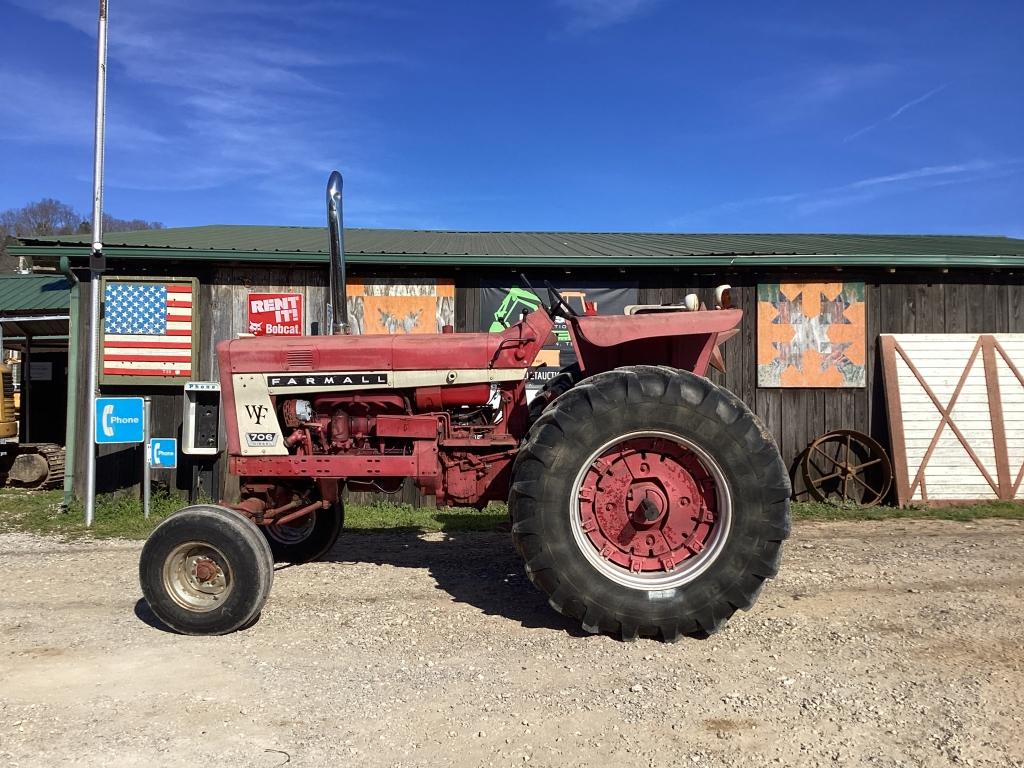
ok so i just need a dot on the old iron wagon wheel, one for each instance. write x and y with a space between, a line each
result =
648 501
206 570
847 467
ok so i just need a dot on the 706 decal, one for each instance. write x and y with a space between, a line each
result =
260 439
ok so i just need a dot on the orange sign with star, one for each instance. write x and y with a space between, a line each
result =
810 335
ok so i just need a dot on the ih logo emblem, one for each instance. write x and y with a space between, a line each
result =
256 413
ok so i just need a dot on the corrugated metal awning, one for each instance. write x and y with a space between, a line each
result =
290 245
41 329
34 293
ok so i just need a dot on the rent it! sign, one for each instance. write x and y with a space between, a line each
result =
275 314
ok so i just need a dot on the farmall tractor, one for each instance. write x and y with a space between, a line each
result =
644 500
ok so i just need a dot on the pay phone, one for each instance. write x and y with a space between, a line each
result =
201 419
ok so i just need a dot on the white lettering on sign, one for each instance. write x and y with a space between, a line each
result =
285 308
275 314
115 419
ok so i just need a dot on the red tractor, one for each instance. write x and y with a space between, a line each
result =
644 500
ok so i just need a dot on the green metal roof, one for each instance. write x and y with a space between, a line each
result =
34 293
421 247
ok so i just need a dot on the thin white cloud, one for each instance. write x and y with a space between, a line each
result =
587 15
39 110
930 177
803 30
798 96
834 84
922 173
897 112
204 95
860 190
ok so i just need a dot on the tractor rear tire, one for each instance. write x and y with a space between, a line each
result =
646 501
310 538
206 570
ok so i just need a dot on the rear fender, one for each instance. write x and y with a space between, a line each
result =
682 340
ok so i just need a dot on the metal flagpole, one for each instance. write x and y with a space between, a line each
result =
97 264
147 456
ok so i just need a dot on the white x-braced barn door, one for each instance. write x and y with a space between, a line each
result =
956 415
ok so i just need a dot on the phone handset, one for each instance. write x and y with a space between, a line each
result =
108 411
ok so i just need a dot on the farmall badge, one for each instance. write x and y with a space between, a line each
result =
328 380
275 314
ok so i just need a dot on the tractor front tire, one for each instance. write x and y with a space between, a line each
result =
206 570
309 538
646 501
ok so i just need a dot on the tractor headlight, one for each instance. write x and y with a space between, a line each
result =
304 410
296 413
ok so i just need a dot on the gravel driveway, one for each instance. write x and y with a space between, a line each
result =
884 644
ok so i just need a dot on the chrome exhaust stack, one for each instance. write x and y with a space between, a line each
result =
338 314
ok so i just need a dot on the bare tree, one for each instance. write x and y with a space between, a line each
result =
49 217
111 224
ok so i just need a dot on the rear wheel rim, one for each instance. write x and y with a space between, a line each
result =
293 533
197 576
650 510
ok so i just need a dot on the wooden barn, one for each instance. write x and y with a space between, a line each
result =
806 359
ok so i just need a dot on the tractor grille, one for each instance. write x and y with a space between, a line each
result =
300 359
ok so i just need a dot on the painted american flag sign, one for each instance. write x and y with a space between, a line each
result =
148 330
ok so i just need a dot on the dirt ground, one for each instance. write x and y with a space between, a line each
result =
882 644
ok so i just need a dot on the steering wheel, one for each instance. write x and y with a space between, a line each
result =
558 303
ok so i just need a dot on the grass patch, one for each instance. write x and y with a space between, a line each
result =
386 516
120 515
814 510
116 515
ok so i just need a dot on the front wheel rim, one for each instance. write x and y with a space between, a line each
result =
650 510
197 576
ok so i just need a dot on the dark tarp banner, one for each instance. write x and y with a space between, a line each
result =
503 303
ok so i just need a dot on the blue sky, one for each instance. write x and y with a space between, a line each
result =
603 115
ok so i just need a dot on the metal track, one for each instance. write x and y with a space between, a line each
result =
51 452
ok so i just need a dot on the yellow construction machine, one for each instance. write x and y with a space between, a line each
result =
27 465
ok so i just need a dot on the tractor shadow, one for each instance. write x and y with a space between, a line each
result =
479 568
145 614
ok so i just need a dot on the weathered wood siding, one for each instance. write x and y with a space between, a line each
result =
926 302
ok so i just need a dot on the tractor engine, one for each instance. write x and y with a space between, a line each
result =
392 425
342 425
